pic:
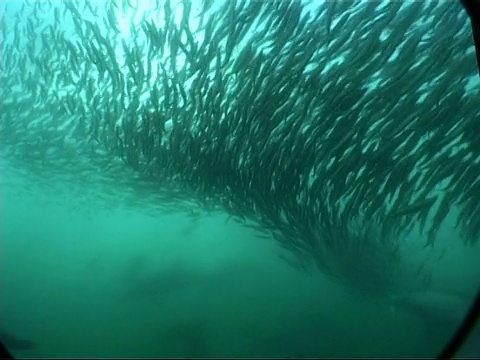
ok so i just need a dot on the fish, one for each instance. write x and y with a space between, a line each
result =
351 116
418 206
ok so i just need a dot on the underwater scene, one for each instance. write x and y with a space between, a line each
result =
229 178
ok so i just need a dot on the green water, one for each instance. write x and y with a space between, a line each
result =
82 277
